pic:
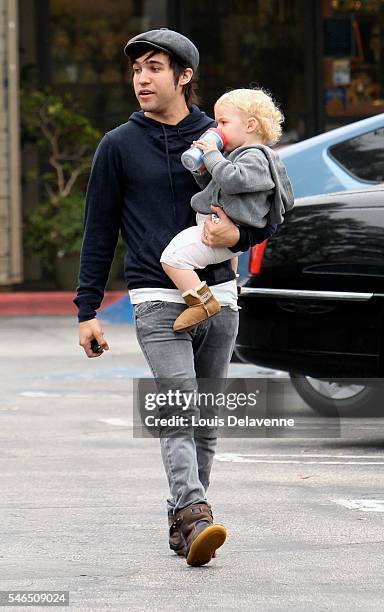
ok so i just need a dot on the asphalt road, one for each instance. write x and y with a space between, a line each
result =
82 504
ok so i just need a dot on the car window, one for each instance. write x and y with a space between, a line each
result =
363 156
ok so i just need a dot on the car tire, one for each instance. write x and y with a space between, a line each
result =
338 400
235 358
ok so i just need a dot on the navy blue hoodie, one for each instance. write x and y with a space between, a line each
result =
139 186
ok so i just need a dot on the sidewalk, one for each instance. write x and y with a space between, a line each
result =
30 303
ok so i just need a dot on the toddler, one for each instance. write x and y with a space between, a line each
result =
249 183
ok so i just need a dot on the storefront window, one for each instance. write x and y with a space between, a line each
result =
87 38
247 43
353 60
242 43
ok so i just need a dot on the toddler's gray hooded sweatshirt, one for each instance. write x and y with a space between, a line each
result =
250 184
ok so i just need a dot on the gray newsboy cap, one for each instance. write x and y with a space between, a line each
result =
169 41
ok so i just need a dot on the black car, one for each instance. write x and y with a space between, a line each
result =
314 301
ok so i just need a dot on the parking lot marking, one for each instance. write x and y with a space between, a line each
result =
366 505
312 455
50 394
40 394
263 458
117 422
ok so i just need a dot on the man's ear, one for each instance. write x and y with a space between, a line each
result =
186 76
252 124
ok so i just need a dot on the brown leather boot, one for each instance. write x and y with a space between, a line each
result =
201 305
177 542
201 534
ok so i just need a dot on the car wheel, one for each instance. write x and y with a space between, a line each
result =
336 399
235 358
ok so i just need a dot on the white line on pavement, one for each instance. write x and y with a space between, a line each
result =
40 394
303 455
117 422
71 395
366 505
235 458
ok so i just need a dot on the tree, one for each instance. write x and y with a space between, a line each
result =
66 141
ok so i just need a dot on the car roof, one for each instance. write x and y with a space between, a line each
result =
338 134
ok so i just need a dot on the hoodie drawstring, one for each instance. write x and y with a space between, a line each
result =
169 170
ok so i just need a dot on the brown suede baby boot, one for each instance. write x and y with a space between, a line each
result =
201 305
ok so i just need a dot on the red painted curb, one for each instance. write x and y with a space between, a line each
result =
46 302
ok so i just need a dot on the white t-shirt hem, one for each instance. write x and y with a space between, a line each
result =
225 293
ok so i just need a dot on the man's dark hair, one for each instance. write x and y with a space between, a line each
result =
189 90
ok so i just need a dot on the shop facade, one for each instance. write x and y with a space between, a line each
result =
11 271
323 60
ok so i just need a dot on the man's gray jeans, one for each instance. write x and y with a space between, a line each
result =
203 352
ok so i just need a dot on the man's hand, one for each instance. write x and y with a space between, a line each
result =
88 330
223 233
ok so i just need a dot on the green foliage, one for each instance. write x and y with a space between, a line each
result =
47 116
66 141
50 230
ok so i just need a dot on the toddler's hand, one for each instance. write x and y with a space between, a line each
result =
205 145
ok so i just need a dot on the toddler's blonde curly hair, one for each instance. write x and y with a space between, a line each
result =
257 103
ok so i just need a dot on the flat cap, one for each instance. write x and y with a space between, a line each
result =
169 41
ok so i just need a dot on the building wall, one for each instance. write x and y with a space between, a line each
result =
10 222
76 46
